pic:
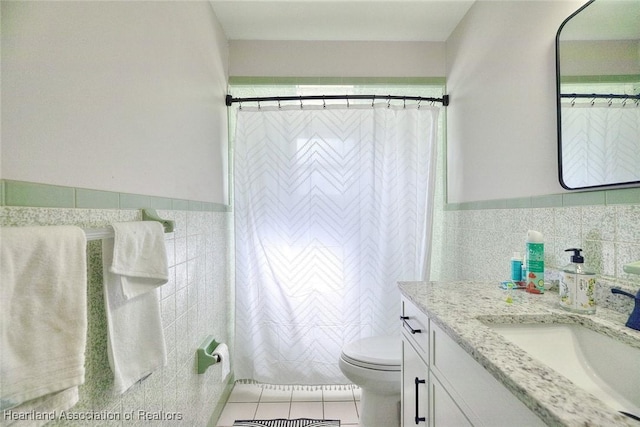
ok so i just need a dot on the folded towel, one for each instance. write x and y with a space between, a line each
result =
135 345
139 256
43 309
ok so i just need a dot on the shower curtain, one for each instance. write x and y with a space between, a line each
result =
600 143
332 208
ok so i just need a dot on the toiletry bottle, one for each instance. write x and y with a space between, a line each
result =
516 267
535 263
577 285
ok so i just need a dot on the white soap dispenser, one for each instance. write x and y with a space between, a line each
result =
577 285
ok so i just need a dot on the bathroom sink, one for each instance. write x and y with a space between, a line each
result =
606 368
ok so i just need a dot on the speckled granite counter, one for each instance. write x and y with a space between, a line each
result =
460 308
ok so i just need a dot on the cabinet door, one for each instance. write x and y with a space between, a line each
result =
444 411
483 399
415 403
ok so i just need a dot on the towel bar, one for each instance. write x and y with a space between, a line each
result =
147 215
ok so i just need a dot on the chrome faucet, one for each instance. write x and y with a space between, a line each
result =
634 318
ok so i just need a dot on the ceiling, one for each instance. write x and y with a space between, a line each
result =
348 20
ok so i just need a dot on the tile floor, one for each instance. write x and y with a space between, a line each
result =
252 402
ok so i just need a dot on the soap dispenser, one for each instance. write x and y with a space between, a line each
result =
577 285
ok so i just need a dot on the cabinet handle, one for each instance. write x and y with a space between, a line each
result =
418 419
413 331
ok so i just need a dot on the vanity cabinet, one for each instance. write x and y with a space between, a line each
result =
444 411
415 366
457 390
415 382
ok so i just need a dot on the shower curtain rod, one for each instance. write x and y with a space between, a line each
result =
598 96
444 100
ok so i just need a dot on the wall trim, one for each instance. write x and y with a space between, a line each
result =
622 78
622 196
384 81
30 194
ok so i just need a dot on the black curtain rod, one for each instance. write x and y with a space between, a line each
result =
444 100
598 96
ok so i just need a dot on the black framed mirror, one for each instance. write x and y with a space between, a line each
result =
598 95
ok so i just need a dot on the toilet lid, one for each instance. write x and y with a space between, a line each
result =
382 351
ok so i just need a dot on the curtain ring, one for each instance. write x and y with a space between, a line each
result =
404 103
389 101
239 105
610 102
373 101
593 101
324 105
573 102
279 107
259 107
347 98
301 102
419 101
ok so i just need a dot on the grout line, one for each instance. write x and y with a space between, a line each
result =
255 413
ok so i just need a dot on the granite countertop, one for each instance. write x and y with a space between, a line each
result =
460 308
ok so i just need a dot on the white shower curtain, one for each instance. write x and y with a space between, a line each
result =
332 208
600 143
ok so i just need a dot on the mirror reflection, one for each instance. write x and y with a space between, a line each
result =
598 81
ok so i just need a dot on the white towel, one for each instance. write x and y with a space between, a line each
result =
48 407
136 345
43 309
139 256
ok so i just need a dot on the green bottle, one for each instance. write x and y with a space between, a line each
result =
535 263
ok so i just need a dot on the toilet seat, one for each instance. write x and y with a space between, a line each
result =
380 353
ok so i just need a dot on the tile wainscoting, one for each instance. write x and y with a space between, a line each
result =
477 244
196 302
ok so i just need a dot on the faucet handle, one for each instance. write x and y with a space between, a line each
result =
634 318
627 294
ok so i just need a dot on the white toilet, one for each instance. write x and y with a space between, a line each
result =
373 364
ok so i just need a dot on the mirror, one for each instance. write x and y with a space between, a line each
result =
598 87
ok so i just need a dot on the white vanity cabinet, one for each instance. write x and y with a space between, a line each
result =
457 391
444 411
415 369
415 382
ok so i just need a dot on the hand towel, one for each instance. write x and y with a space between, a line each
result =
139 256
135 345
43 309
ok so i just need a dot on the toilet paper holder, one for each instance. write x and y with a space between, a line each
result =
205 354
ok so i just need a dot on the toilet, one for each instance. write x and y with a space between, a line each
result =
373 364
